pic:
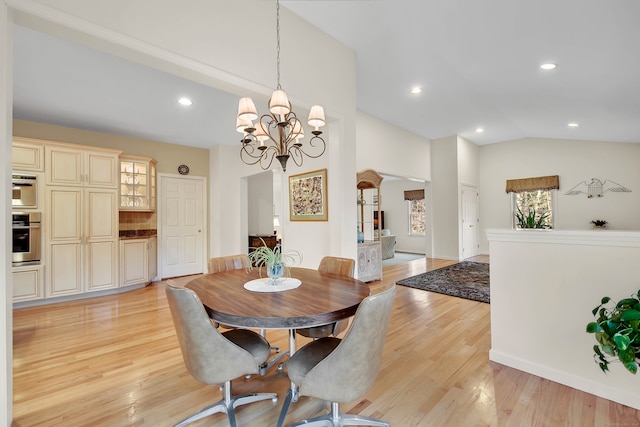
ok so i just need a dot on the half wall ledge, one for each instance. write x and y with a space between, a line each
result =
544 285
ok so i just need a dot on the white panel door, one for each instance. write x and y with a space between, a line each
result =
181 219
469 222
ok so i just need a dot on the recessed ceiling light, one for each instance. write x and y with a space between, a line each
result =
185 101
479 130
549 66
573 125
416 90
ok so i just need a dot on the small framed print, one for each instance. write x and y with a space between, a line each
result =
308 196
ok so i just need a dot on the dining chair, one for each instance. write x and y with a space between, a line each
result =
342 370
230 262
341 267
212 357
233 262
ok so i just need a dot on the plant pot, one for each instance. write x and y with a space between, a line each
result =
274 272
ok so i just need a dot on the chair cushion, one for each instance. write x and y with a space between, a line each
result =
309 356
388 244
254 343
317 331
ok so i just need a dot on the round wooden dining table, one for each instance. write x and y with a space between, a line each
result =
321 298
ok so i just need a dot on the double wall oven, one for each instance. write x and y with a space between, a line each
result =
25 225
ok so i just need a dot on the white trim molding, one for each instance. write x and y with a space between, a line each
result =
567 237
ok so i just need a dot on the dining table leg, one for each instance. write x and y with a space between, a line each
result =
292 350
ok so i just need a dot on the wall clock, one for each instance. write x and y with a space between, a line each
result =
183 170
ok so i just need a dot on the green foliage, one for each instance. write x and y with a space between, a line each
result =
532 219
265 256
616 331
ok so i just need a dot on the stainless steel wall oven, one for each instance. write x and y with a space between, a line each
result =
26 238
24 191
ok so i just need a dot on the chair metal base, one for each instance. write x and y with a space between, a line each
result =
336 419
275 359
227 405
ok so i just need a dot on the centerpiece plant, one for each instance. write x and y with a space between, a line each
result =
531 219
276 261
616 331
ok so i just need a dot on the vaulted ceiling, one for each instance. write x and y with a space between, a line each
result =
477 62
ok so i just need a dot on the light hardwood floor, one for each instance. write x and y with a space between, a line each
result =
115 361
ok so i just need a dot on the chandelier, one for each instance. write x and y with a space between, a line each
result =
277 134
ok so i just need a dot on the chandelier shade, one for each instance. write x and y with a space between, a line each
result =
316 116
278 134
247 110
279 103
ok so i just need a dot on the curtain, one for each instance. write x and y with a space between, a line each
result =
532 184
414 194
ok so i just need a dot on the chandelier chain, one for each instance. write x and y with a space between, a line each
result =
278 43
277 134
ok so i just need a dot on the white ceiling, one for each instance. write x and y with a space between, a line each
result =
477 60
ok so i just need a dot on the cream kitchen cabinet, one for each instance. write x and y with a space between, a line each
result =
75 165
137 183
28 154
28 283
369 261
137 261
153 258
81 240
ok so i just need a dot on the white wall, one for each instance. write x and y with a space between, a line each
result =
574 162
544 285
468 162
445 197
6 290
390 150
260 203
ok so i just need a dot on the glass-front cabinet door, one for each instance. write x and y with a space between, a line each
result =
137 183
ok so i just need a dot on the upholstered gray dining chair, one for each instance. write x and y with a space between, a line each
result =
230 262
341 267
233 262
341 371
212 357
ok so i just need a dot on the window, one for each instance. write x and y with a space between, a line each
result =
416 217
532 201
533 209
416 212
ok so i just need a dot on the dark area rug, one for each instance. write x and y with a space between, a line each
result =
466 279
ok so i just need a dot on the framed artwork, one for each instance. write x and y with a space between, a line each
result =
308 196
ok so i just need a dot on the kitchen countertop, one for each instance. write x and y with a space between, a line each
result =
137 234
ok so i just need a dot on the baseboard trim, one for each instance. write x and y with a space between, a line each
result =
579 383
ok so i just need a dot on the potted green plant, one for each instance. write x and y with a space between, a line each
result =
599 223
531 219
276 261
616 331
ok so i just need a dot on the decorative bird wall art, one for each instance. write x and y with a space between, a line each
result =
597 188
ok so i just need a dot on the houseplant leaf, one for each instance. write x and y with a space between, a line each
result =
627 303
631 367
629 315
593 327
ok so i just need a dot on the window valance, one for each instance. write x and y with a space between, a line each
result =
551 182
414 194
